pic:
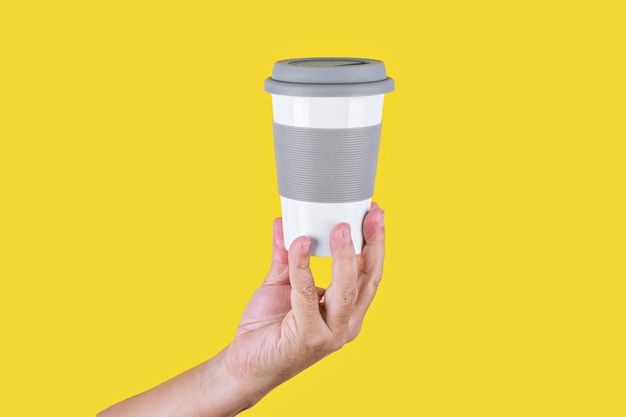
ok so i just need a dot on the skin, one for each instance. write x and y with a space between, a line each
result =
288 325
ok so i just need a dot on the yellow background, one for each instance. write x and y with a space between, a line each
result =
138 188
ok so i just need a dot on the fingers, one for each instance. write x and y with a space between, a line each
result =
370 262
279 268
304 293
340 297
372 224
355 278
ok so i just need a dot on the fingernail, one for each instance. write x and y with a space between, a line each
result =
347 236
381 219
306 246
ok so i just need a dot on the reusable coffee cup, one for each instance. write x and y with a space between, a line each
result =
327 125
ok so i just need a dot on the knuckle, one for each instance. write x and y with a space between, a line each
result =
303 264
337 342
316 342
339 339
307 287
376 279
355 329
350 295
324 343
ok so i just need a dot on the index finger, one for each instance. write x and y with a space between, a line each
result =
340 297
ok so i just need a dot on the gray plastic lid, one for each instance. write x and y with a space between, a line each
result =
329 77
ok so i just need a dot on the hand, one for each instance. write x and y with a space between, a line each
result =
289 323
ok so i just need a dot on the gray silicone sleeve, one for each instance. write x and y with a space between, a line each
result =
326 165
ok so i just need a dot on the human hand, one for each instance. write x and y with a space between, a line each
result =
289 323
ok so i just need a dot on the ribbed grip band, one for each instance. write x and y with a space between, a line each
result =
326 165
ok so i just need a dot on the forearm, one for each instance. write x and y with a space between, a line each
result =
207 390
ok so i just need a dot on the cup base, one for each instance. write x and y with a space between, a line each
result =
316 220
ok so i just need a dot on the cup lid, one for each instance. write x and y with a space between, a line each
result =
329 77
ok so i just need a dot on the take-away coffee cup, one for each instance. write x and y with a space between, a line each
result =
327 126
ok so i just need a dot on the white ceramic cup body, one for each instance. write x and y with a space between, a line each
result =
312 219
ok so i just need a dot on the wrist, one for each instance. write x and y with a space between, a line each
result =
223 391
